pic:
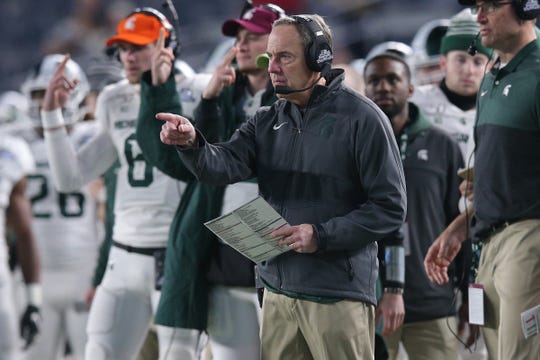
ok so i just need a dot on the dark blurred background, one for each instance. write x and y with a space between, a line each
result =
30 28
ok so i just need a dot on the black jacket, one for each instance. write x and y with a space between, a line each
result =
334 164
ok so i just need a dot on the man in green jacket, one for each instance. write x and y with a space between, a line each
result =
198 267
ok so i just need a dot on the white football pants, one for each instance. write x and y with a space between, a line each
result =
233 323
123 307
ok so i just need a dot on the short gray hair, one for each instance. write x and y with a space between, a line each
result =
306 33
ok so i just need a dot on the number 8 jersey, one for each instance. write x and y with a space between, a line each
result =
146 199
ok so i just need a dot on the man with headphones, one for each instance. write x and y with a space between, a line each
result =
325 159
506 222
145 202
430 161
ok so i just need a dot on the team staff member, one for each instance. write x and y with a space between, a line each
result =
326 160
430 161
451 106
506 180
145 201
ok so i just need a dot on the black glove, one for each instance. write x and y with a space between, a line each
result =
30 323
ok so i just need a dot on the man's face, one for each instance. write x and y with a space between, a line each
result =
388 85
136 59
249 45
36 103
287 66
498 24
463 72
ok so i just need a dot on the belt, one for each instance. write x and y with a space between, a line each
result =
138 250
501 225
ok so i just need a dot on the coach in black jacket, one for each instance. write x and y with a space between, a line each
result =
327 161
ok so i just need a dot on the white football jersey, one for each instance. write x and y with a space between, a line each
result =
442 113
65 224
15 163
146 199
190 89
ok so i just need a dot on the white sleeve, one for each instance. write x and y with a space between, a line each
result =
71 169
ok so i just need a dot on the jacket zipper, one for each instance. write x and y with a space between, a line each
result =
350 268
293 151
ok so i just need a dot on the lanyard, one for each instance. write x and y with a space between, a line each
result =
403 142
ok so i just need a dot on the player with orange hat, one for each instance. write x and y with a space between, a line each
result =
146 199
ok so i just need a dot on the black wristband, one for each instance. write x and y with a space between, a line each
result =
393 290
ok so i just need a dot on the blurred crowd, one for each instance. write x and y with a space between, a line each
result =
30 30
93 200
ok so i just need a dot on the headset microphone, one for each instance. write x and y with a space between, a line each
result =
285 90
472 50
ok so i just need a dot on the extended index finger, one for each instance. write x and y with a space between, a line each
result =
60 69
169 117
229 56
160 44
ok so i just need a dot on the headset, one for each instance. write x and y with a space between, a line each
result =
248 5
275 9
473 49
526 9
170 41
318 53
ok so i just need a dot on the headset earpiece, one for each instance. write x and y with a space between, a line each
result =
318 53
169 40
275 9
526 9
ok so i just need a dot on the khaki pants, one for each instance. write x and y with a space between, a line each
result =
509 270
299 329
150 348
425 340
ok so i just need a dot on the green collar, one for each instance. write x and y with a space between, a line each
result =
417 121
516 60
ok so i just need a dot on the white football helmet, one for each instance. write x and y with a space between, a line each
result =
183 68
397 47
426 45
38 80
102 71
13 110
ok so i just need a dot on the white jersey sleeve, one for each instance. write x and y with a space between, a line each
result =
70 168
16 162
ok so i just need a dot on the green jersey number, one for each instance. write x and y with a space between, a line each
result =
70 204
140 172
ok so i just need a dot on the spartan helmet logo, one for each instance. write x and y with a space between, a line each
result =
130 23
248 15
